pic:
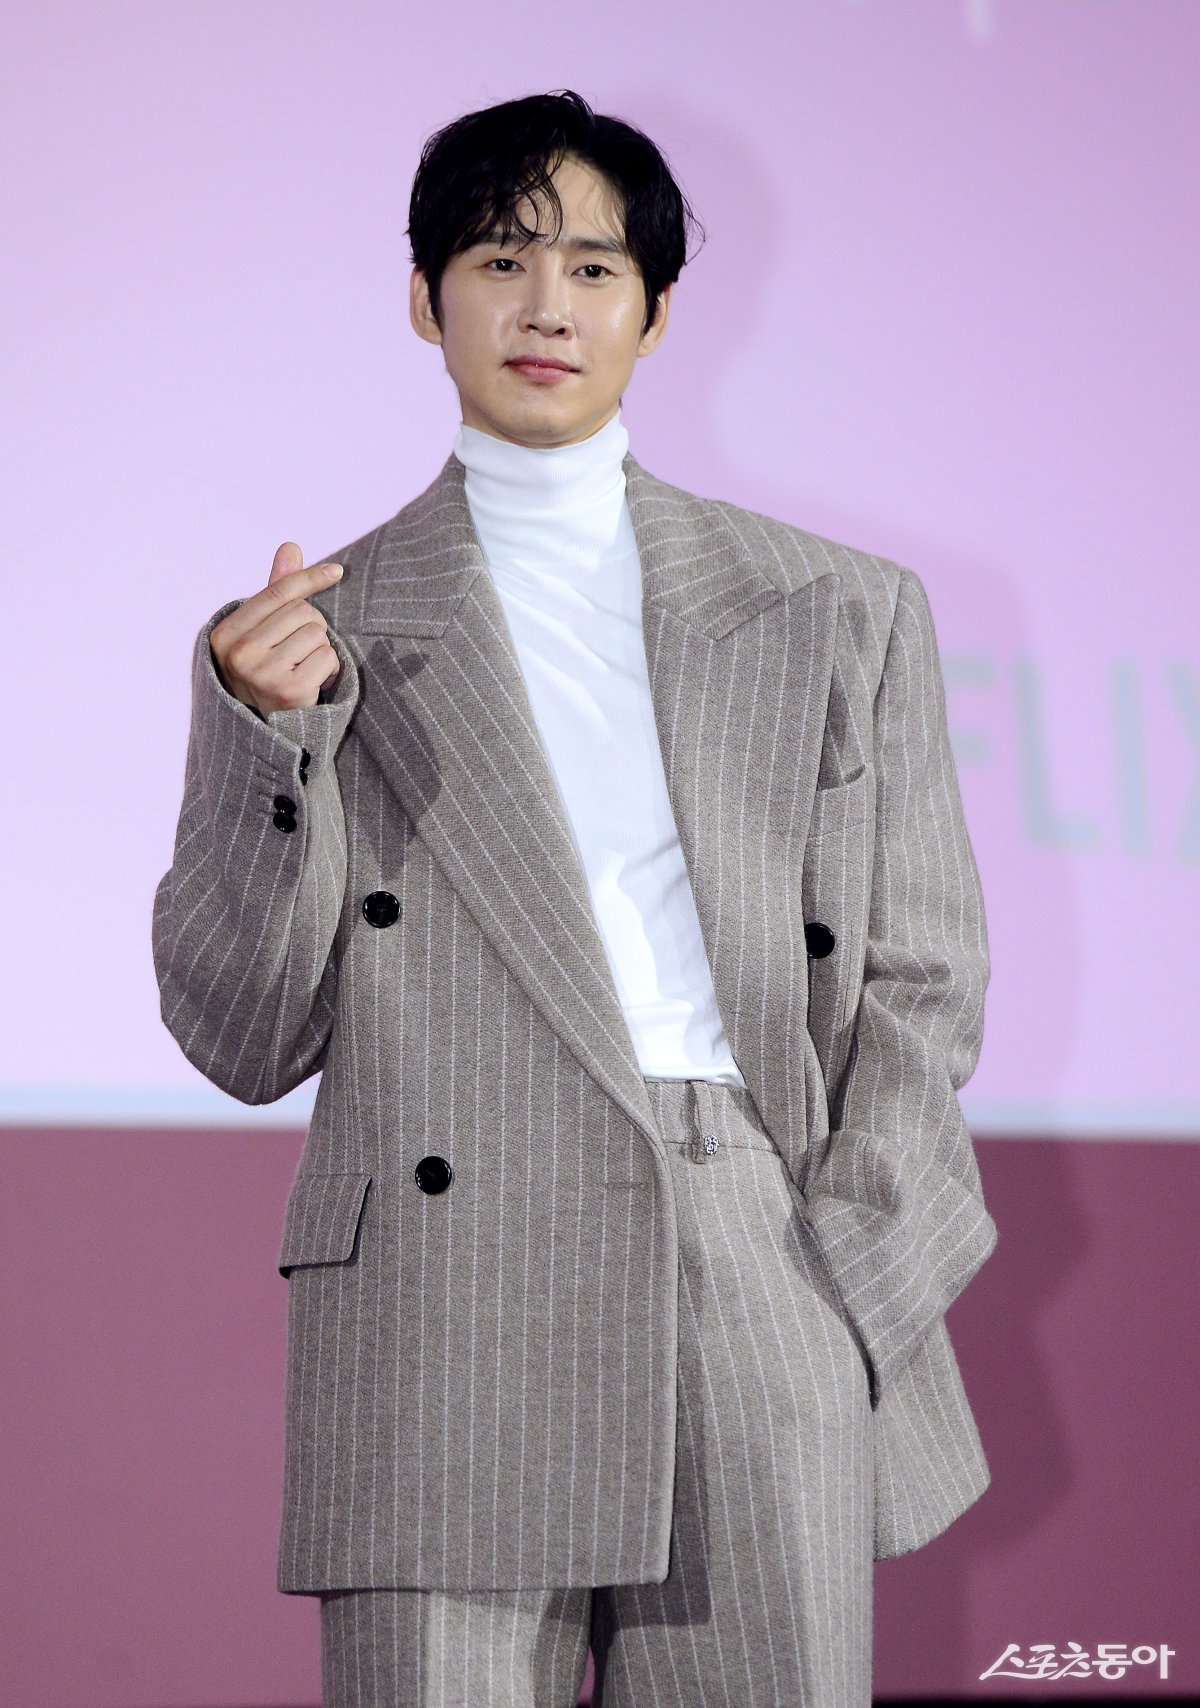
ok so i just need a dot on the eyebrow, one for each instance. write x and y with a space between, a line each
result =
607 245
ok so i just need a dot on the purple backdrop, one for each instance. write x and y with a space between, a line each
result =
946 313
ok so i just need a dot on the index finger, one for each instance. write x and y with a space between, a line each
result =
299 583
296 584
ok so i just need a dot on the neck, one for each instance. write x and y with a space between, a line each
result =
501 474
553 512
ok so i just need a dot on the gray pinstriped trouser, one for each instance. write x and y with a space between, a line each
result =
769 1596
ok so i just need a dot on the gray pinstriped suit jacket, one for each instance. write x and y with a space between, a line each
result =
481 1382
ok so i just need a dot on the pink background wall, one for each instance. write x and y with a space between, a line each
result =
944 312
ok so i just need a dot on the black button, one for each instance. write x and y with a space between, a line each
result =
381 908
284 803
305 756
818 939
284 821
433 1174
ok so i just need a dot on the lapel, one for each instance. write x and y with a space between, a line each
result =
731 658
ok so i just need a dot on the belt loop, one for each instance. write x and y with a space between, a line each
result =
706 1141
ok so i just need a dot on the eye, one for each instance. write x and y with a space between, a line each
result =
506 261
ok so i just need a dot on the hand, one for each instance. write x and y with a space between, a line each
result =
273 652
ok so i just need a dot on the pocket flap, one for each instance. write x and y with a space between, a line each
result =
321 1220
838 809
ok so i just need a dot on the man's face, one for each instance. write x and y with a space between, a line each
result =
576 300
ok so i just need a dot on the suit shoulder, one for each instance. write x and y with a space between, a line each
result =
801 555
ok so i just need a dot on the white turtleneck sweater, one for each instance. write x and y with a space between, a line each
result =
559 544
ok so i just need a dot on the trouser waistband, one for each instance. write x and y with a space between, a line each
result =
707 1116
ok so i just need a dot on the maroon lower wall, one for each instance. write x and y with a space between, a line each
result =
143 1353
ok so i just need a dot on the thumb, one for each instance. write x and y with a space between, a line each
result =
289 557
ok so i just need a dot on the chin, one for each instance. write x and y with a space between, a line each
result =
534 413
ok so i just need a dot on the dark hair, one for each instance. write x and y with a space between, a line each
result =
474 171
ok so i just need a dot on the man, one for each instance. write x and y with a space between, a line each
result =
602 845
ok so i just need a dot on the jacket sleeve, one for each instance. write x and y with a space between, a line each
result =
244 920
895 1203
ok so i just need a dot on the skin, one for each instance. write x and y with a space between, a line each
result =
273 653
585 306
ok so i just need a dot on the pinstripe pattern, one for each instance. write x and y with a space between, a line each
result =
507 1648
768 1598
457 1361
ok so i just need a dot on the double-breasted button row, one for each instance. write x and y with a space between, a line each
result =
818 939
285 812
433 1174
381 908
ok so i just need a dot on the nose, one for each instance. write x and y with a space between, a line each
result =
546 318
546 309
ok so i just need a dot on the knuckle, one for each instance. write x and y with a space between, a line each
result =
236 652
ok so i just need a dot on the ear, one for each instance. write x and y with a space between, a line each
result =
420 308
662 309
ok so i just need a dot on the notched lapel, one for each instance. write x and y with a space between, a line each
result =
741 667
448 720
739 670
740 720
446 715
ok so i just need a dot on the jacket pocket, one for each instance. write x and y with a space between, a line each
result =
320 1224
840 807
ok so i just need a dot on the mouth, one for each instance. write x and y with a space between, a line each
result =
541 368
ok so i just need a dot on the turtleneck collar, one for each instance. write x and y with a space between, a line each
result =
501 475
